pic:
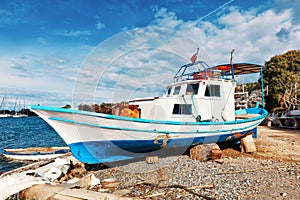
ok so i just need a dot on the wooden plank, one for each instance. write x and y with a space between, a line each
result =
75 194
39 192
64 197
246 116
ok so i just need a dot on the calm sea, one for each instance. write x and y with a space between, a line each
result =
23 133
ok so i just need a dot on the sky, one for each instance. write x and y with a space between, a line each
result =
57 52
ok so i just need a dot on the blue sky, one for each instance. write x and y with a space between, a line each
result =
77 51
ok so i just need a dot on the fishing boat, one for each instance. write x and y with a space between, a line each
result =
35 153
198 107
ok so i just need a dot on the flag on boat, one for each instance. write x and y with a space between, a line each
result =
194 57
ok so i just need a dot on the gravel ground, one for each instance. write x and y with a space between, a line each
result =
273 172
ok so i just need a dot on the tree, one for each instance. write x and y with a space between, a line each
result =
282 73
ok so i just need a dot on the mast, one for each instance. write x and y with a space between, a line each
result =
16 104
3 103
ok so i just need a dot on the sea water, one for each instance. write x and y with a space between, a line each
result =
25 132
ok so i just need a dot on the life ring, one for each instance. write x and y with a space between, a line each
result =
202 75
198 76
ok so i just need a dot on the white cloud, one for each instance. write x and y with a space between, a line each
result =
74 33
139 61
292 5
235 17
100 25
42 41
252 35
166 19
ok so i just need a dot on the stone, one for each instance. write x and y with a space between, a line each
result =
88 181
283 194
220 161
152 159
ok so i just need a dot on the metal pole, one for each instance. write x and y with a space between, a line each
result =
262 88
231 63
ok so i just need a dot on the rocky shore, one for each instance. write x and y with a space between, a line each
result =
273 172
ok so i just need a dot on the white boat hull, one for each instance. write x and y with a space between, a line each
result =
32 157
100 138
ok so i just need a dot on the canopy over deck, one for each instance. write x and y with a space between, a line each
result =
239 68
187 71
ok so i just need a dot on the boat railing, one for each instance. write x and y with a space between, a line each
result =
195 71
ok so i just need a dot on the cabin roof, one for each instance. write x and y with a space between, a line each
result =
240 68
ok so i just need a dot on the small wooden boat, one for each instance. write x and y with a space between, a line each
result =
35 153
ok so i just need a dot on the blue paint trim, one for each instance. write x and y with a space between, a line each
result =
152 131
263 114
109 151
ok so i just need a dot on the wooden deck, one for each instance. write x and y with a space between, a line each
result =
246 116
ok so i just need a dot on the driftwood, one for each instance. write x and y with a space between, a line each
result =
42 192
76 194
39 192
206 152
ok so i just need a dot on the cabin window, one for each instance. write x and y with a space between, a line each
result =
192 89
169 91
212 91
182 109
176 90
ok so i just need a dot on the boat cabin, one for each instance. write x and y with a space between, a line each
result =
198 93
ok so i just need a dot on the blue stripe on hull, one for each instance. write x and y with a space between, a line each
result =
110 151
263 113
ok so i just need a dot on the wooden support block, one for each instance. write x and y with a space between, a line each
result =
248 144
206 152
